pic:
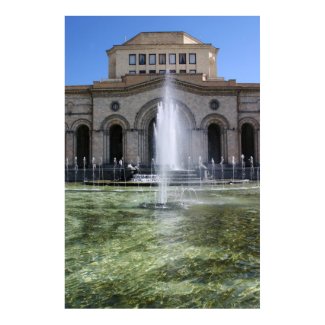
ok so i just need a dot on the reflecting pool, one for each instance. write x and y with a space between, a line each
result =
120 252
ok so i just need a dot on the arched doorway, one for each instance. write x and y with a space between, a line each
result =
151 140
214 143
115 143
247 142
83 144
144 124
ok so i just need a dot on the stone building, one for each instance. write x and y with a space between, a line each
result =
114 118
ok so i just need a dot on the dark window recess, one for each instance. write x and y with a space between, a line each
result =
152 59
151 139
172 71
132 72
182 58
115 143
192 58
172 58
83 145
247 142
142 71
152 71
162 58
214 143
142 59
162 71
132 59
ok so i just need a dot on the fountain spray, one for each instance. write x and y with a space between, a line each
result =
114 167
213 171
94 168
84 164
222 172
75 170
242 166
251 160
168 141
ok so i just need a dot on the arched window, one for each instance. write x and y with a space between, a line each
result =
83 145
115 143
214 143
247 141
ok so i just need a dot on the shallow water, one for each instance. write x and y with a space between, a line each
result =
122 253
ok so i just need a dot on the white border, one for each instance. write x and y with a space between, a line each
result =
292 151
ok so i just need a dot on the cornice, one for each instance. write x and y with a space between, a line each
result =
208 90
80 90
138 47
199 89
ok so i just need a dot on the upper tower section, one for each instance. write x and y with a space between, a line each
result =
160 53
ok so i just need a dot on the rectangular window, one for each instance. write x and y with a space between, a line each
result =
142 59
193 71
152 71
182 58
152 59
192 58
132 72
172 71
162 58
142 71
182 71
162 71
172 58
132 59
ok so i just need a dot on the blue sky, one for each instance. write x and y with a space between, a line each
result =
88 38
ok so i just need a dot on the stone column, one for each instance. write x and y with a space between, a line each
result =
224 144
69 146
257 144
132 143
141 146
106 157
97 145
199 145
232 145
205 148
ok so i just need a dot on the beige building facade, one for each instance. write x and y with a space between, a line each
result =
161 53
114 118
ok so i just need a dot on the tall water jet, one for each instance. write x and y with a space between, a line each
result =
222 171
233 168
100 172
94 168
213 172
243 166
101 164
138 170
122 167
251 160
168 138
114 167
84 165
188 170
75 169
151 170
